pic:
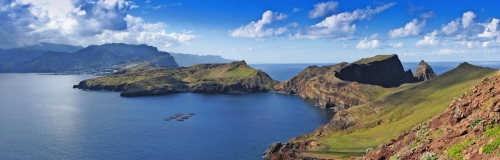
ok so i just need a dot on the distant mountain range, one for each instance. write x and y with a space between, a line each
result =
48 58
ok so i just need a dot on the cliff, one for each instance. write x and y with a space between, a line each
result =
381 70
236 77
468 129
345 85
359 128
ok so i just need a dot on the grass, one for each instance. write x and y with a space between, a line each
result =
455 151
404 109
490 148
373 59
492 130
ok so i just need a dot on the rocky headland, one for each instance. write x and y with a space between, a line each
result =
360 127
345 85
235 77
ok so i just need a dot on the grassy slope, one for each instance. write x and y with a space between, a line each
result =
402 110
150 79
373 59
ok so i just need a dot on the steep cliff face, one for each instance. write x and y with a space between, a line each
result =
236 77
468 129
424 72
381 70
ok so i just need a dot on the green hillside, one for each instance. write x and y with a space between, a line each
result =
384 119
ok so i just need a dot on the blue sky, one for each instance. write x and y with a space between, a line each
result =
270 31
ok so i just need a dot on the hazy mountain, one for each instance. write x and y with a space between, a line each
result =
94 56
54 47
192 59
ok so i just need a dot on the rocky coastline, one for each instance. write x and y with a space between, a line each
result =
235 77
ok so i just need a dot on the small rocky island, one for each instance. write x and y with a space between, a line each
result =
235 77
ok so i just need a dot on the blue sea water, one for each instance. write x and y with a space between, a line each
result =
42 117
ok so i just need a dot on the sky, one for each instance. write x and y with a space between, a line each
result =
265 31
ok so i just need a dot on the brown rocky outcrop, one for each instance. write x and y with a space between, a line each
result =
424 72
468 129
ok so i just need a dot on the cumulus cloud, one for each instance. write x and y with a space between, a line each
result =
468 18
427 15
451 27
490 29
81 22
367 44
410 29
257 29
323 8
430 40
396 45
339 25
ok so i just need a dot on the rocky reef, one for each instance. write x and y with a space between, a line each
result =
468 129
235 77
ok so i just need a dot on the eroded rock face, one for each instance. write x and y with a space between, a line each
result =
424 72
466 121
384 71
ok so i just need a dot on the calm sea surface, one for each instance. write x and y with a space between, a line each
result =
42 117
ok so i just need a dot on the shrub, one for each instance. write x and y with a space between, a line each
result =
456 150
492 130
475 122
429 156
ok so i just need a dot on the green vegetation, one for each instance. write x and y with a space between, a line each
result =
403 108
455 151
490 148
492 130
429 156
439 132
373 59
144 79
475 122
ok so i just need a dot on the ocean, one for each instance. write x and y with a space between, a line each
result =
42 117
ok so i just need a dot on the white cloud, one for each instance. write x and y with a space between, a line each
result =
468 18
490 29
82 23
396 45
339 25
410 29
367 44
323 8
430 40
451 27
257 30
428 15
